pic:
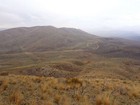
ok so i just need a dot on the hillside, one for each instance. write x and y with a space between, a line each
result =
49 38
41 38
45 65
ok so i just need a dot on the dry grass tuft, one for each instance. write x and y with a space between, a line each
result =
4 85
16 97
134 92
57 99
99 100
107 100
103 100
44 87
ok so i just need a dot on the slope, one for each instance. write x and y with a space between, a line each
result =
41 38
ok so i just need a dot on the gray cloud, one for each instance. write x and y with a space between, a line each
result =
86 14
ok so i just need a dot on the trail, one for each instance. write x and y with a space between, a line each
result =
89 44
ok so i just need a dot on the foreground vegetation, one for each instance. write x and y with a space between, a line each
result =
34 90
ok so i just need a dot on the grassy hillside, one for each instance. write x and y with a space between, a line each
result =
65 66
70 64
48 38
41 38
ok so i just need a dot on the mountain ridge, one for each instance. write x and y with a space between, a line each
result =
24 36
49 38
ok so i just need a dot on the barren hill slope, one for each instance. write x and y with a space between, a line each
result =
49 38
41 38
31 48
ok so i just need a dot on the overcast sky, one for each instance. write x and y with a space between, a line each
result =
84 14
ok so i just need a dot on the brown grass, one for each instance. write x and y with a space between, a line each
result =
72 91
106 101
99 100
16 97
4 84
74 81
134 92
